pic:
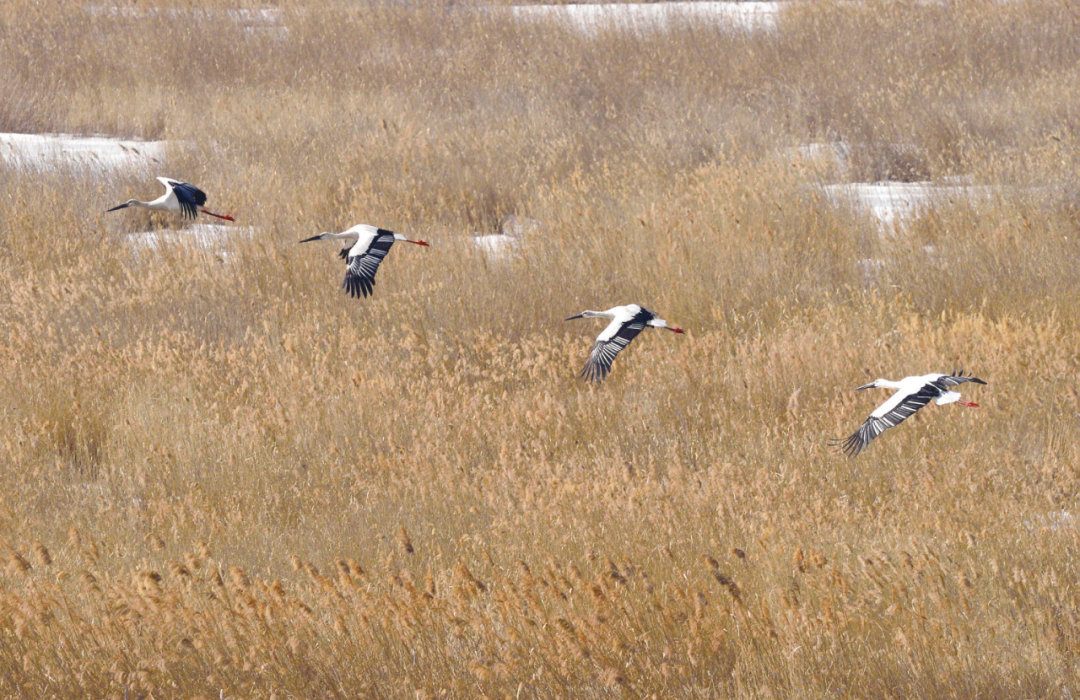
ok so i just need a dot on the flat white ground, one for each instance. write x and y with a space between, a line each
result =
46 151
209 237
894 204
743 16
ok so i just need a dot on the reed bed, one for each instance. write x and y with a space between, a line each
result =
220 477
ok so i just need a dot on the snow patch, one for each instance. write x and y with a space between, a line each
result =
209 237
888 202
47 151
1054 521
591 18
894 204
497 246
506 243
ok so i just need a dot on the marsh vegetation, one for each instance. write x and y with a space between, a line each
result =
221 476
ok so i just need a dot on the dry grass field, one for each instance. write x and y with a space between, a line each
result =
222 478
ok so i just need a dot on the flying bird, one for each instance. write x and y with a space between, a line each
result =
627 321
179 196
367 247
912 393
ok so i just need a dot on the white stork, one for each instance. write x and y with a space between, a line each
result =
912 393
627 322
367 247
179 196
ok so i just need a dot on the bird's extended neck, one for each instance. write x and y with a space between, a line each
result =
588 313
881 384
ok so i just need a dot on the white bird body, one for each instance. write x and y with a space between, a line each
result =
179 196
366 246
912 393
626 322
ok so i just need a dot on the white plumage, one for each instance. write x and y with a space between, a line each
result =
179 197
626 322
912 393
366 248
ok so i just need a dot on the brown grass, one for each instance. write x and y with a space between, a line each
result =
222 477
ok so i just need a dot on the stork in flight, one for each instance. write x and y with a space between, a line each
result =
366 249
912 393
179 196
627 321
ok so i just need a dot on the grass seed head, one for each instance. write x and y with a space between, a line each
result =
404 541
17 564
41 554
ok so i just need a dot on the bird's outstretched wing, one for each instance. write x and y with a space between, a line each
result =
360 273
189 196
612 340
887 415
956 379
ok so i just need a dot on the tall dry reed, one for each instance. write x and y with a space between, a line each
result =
222 477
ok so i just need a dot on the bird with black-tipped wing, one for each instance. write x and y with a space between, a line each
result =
626 322
179 197
912 393
364 252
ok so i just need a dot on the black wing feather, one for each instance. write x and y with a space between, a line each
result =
360 273
874 426
604 351
190 198
956 379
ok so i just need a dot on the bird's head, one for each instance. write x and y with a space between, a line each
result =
121 206
584 314
877 383
316 238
